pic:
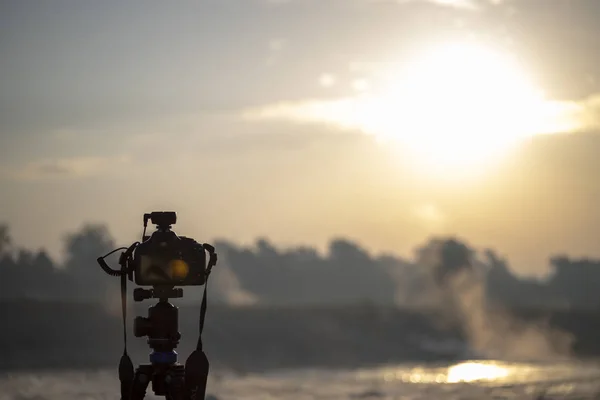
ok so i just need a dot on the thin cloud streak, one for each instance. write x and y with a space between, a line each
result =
350 113
472 5
68 168
466 4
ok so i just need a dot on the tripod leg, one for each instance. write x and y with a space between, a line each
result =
143 376
175 383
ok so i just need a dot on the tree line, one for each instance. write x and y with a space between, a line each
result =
263 274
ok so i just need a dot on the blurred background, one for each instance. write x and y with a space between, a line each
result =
401 193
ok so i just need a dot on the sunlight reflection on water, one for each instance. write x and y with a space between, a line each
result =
471 371
491 373
471 379
475 371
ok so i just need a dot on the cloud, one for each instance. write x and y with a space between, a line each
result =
360 85
73 167
367 113
469 4
327 80
463 4
588 112
336 112
277 44
276 47
278 2
429 213
459 5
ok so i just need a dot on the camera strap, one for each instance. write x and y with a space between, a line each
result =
126 372
197 365
212 261
126 369
202 316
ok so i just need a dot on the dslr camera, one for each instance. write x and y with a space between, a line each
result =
165 259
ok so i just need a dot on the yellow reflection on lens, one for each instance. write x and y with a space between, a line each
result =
179 269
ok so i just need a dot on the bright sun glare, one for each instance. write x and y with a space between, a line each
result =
459 106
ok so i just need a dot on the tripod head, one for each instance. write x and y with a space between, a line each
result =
161 325
158 292
163 261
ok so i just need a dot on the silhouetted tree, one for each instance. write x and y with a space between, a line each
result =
24 273
576 282
82 248
302 276
5 239
346 273
503 287
445 257
10 286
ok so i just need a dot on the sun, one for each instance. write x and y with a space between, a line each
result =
453 110
458 108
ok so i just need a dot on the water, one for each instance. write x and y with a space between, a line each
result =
469 380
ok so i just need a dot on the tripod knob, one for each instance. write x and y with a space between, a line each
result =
141 326
140 294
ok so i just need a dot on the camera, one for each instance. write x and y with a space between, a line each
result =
165 259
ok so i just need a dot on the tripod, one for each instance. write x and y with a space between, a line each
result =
169 378
161 327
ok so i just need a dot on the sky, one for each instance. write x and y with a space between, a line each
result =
380 121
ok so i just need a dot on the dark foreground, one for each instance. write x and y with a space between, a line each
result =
62 335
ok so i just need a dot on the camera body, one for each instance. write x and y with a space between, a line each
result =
165 259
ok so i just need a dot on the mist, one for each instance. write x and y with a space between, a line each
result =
457 286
